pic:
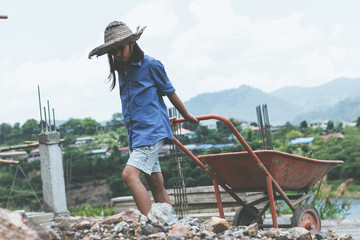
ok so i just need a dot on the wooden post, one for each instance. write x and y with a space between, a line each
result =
9 161
12 154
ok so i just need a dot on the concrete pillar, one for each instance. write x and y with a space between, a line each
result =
52 174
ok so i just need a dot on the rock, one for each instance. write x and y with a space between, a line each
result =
300 233
131 225
346 237
239 233
162 213
322 235
333 234
95 237
284 235
252 230
205 234
272 232
16 225
53 234
218 225
95 228
148 229
83 225
188 222
132 215
179 231
119 226
158 235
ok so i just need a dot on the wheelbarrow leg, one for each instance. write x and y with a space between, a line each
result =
272 201
218 198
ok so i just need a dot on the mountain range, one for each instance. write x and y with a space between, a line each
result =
337 100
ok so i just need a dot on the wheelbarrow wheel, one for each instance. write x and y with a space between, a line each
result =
243 217
306 216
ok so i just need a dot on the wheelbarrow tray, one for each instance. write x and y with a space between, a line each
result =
271 172
241 173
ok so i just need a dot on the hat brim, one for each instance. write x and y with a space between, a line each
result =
108 46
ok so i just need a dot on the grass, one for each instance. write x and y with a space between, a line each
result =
92 211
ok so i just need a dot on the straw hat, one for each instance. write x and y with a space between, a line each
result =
116 34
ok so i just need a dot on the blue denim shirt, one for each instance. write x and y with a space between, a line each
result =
142 87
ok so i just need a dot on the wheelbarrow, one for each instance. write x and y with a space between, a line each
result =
267 171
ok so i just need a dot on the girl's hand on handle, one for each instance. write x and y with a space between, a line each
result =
191 119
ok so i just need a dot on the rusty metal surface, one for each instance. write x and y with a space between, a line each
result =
291 172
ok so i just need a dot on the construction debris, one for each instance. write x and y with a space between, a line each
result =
132 224
16 225
162 213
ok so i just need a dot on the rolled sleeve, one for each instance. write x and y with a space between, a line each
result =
161 79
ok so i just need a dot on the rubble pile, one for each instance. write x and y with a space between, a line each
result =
132 224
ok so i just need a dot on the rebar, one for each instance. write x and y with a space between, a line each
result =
48 104
54 119
267 127
264 126
41 121
46 127
178 176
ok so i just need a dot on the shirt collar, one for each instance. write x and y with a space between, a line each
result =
136 64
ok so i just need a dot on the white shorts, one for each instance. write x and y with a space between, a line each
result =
146 158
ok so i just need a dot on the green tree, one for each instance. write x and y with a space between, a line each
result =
123 139
73 126
292 134
116 121
189 126
201 133
303 124
89 125
330 126
5 130
15 135
358 122
30 129
339 127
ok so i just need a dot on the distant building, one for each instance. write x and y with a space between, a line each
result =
186 132
255 128
318 124
102 152
337 135
165 150
84 140
33 155
350 124
307 140
210 124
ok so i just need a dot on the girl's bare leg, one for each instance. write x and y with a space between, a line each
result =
131 176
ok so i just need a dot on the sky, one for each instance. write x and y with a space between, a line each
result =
205 46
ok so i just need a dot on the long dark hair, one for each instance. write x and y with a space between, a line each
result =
136 56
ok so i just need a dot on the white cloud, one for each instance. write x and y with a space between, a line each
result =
159 15
337 30
224 50
74 87
211 48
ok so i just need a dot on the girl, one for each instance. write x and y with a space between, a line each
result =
143 83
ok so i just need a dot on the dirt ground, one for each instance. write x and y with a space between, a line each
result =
98 193
343 227
95 193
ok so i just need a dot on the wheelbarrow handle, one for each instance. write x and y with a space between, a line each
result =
175 120
224 120
270 181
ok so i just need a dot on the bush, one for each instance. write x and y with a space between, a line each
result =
92 211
